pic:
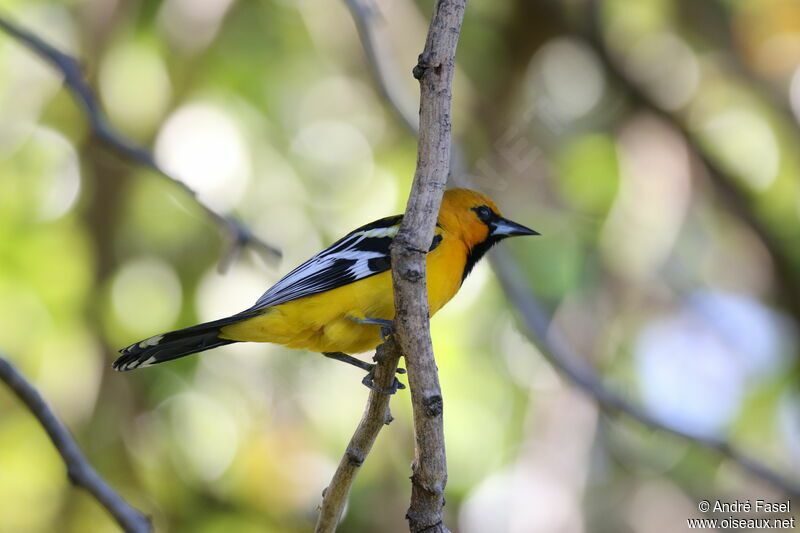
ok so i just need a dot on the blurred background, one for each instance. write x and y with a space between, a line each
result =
652 143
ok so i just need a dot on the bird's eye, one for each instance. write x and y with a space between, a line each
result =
484 213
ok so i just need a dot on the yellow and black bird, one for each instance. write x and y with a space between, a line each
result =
338 301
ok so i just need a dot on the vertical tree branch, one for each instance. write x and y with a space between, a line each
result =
376 415
409 249
429 476
79 471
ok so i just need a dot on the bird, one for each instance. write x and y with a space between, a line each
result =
341 302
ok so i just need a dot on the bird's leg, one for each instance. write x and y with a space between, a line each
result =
387 327
369 379
350 360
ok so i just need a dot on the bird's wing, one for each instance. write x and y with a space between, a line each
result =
361 253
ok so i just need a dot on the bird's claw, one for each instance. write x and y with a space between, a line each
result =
369 382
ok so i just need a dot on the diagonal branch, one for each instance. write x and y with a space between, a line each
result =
366 17
79 471
239 235
409 248
570 363
376 415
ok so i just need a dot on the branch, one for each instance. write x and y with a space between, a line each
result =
571 364
366 17
376 415
79 471
409 248
562 357
238 234
429 470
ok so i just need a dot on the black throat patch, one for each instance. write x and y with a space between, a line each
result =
476 253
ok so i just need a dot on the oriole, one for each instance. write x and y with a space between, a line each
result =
338 301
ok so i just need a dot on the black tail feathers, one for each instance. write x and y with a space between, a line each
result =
175 344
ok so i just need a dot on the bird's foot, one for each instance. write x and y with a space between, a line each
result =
369 382
369 379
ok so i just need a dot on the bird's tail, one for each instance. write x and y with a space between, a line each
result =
175 344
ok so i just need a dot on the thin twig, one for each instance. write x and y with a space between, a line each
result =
571 364
238 234
366 17
412 328
376 415
79 471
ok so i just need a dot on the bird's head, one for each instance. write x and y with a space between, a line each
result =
475 218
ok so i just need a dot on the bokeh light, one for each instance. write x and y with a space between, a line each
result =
202 145
150 285
136 107
571 77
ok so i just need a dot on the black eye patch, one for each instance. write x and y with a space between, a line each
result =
484 213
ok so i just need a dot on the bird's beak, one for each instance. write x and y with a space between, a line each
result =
506 228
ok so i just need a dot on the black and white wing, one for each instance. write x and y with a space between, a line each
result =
361 253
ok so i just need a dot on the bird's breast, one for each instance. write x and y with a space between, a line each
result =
445 266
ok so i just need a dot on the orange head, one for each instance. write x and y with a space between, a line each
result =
477 221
